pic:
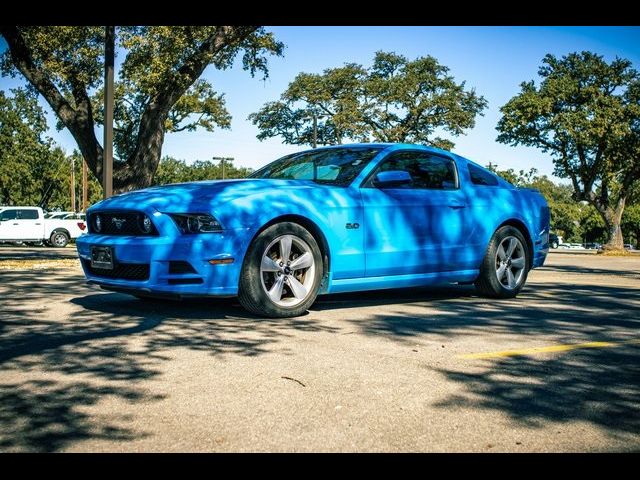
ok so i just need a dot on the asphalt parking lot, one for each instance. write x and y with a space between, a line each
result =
557 369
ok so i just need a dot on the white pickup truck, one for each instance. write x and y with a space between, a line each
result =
28 225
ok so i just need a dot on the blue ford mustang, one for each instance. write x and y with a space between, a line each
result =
335 219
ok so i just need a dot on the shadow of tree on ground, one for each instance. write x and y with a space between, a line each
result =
113 341
598 386
44 415
105 345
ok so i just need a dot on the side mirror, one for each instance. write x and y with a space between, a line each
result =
392 178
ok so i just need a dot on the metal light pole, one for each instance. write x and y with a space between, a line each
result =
107 161
73 183
314 117
84 186
315 130
222 164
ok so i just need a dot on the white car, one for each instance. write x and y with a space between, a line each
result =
28 225
58 215
571 246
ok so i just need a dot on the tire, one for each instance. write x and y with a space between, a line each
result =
268 286
554 244
59 239
502 275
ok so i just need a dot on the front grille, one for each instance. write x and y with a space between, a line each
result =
120 223
123 271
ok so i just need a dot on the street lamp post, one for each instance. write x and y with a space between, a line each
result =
314 117
107 160
315 130
222 163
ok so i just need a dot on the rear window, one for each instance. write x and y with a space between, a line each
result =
28 214
480 176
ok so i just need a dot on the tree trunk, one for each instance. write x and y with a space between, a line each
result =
612 218
140 167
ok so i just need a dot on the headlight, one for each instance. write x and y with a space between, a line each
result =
98 223
196 223
146 224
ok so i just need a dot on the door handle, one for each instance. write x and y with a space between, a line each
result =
16 224
457 205
38 224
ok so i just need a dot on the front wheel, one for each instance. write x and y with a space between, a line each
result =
505 266
281 272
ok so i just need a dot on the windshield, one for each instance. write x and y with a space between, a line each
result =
331 166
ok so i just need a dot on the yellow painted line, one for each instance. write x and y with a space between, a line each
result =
534 350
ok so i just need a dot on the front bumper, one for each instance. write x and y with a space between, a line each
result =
157 252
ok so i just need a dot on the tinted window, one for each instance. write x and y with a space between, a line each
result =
480 176
426 170
8 215
334 166
28 214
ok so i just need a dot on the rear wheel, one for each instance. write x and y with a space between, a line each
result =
59 239
504 269
281 272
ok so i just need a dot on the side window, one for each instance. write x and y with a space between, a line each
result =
481 177
27 214
427 171
8 215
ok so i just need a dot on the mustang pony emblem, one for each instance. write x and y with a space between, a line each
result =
118 222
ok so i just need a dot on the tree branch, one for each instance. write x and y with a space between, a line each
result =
79 122
23 60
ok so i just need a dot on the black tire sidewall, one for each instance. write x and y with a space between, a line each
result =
489 283
251 293
53 236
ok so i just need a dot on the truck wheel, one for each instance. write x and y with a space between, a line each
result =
59 239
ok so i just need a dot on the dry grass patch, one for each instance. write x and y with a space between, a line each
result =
39 264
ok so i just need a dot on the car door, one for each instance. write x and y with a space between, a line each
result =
418 226
29 224
8 224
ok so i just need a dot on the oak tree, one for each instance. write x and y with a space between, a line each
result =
585 113
159 89
394 100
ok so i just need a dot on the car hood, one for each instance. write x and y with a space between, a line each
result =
222 197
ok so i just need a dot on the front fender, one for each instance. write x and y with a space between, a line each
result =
329 208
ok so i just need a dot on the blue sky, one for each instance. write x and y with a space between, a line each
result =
493 60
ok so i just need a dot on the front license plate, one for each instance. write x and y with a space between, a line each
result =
102 257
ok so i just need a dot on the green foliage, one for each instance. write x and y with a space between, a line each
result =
631 223
158 88
592 226
28 159
585 114
172 170
395 100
